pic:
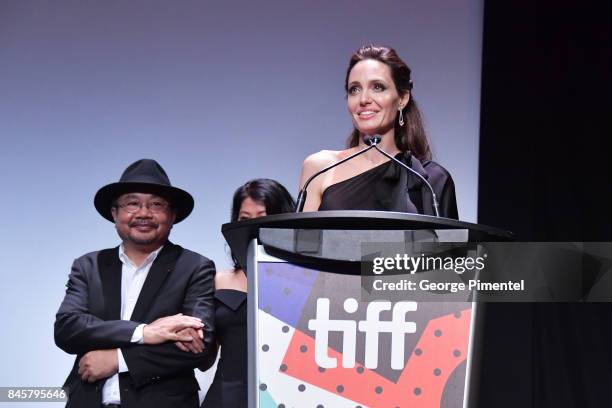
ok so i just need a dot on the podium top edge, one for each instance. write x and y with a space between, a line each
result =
361 220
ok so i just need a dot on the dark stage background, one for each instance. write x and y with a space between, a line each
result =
544 174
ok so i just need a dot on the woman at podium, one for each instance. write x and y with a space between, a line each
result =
256 198
380 102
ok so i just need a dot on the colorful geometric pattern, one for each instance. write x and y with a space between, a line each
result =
284 290
441 348
284 390
290 377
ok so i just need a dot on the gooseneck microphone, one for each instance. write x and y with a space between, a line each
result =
371 142
374 140
301 199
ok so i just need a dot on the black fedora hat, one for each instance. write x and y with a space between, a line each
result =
144 176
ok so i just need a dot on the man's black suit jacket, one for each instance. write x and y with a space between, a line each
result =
179 281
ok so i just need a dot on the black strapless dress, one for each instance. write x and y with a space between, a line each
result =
229 387
388 187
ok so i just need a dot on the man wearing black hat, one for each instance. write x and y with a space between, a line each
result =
125 307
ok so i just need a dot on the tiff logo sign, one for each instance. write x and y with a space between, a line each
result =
371 326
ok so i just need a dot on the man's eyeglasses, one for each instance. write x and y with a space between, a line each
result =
155 207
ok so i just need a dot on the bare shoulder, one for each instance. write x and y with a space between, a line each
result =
313 164
316 162
224 278
321 159
230 279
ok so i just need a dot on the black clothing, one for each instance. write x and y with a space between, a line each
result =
383 188
229 388
161 375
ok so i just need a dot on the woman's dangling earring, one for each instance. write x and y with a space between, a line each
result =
401 117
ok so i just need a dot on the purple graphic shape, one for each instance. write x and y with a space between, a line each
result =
284 289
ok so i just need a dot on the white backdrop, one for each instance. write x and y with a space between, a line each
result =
218 93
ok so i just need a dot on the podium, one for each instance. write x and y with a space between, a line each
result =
321 335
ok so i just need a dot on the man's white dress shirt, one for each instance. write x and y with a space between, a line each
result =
132 280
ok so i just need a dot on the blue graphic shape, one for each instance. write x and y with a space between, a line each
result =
266 400
284 289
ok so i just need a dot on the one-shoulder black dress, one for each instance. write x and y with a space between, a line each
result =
229 387
389 187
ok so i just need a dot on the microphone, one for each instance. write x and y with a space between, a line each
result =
371 141
374 140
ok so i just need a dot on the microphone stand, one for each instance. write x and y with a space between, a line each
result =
433 195
301 199
372 142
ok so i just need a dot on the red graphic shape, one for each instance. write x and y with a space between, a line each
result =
441 348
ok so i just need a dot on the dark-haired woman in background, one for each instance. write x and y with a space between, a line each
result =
380 101
256 198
